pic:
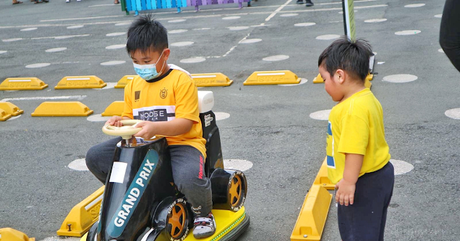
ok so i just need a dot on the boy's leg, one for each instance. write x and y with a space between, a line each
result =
190 178
99 158
365 219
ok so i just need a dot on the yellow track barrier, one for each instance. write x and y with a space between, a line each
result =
211 80
3 115
272 78
368 80
67 108
322 179
80 82
124 81
9 234
116 108
24 83
313 214
82 216
318 79
10 108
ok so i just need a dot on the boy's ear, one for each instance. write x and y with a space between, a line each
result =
341 75
166 53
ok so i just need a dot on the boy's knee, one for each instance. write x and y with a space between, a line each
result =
193 184
91 156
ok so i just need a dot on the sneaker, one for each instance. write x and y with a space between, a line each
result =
299 2
67 1
204 226
309 3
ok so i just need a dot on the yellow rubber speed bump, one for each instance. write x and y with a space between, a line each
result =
116 108
370 77
9 234
66 108
318 79
3 115
272 78
313 214
367 82
25 83
82 216
124 81
211 80
10 108
322 179
80 82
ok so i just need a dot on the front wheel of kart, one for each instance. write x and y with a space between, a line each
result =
178 220
237 189
92 233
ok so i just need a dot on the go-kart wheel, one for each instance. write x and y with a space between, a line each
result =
236 191
178 220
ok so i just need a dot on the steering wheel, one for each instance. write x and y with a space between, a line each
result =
126 131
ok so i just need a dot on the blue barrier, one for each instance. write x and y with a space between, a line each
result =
140 5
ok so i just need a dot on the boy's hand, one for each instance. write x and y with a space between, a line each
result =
114 121
345 192
148 130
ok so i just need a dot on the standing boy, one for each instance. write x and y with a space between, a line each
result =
357 152
160 89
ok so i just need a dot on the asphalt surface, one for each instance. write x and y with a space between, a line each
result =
269 126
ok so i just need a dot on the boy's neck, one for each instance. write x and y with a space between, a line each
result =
352 88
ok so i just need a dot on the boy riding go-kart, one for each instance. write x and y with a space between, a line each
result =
141 202
172 181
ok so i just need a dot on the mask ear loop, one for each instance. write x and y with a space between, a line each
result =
162 67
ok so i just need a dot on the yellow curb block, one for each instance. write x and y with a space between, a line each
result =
24 83
67 108
9 234
82 216
272 78
211 80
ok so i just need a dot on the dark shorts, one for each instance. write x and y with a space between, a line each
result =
365 219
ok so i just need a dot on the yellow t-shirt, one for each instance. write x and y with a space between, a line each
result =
174 96
356 127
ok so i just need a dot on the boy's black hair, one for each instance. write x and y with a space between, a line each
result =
146 33
351 56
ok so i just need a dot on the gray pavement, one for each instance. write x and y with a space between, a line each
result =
269 126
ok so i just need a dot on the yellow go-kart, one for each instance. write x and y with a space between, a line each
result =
146 206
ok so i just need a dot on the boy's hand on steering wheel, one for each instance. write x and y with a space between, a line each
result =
148 130
114 121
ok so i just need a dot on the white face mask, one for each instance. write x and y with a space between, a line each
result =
148 71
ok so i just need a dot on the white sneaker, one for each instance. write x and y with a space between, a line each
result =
204 226
67 1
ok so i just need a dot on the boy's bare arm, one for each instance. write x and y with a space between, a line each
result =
347 186
175 127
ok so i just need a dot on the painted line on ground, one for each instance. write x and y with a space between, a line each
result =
74 19
61 37
69 97
277 10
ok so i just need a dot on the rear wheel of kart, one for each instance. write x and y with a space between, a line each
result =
178 220
236 191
